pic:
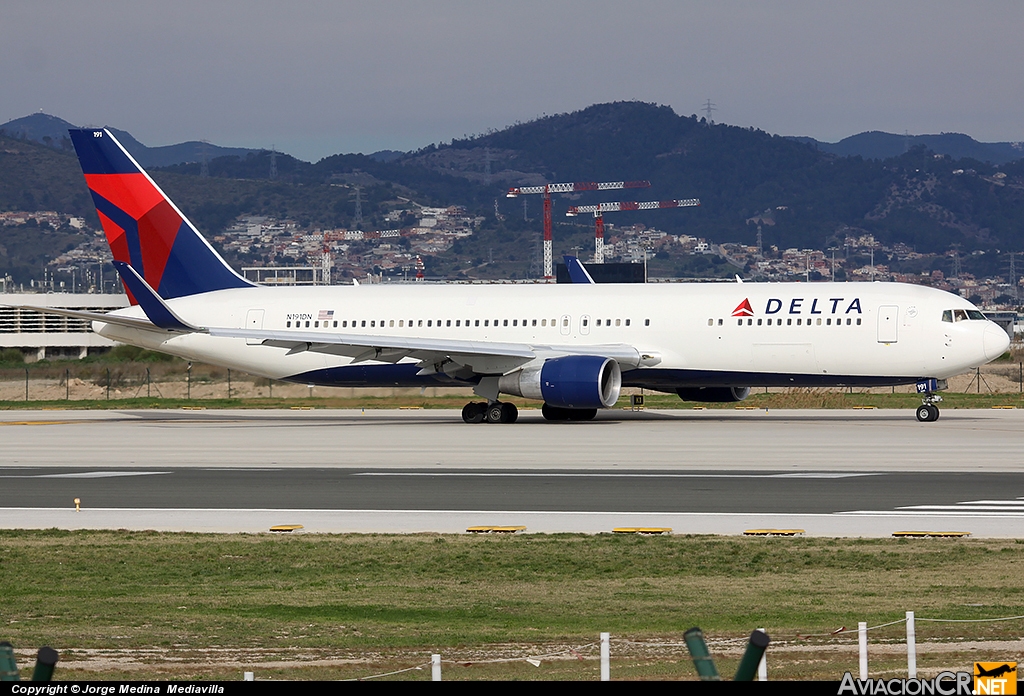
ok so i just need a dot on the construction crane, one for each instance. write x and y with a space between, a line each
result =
601 208
547 189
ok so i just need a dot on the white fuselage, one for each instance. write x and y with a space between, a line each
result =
704 334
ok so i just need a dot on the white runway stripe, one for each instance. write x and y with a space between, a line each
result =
601 474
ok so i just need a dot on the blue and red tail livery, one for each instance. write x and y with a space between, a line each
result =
143 227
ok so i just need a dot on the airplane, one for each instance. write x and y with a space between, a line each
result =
572 346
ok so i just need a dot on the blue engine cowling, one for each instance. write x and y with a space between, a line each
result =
573 381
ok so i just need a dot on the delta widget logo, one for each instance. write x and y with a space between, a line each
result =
743 309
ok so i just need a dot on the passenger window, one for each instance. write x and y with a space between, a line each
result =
798 320
373 324
533 322
598 322
307 324
789 322
618 322
364 322
543 322
739 322
476 323
458 322
430 322
584 321
647 322
858 321
750 322
828 322
335 323
769 322
419 323
819 321
505 323
758 322
448 322
486 322
719 322
288 325
711 322
515 322
401 323
848 320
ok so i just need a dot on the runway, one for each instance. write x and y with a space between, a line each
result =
839 473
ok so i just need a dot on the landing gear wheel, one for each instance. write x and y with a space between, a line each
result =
474 412
927 413
495 412
553 413
556 413
584 414
509 413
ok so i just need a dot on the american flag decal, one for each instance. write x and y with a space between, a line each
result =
325 314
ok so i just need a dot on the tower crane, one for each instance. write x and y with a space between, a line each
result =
547 189
601 208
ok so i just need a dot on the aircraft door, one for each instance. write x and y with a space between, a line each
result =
585 325
254 320
565 324
887 323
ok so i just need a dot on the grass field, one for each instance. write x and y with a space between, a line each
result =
152 605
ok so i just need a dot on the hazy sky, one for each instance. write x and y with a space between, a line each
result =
320 77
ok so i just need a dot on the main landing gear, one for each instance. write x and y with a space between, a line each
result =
554 413
494 412
928 412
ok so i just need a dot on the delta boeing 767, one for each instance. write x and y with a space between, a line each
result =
572 346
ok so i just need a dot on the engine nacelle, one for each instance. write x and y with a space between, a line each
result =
573 381
713 395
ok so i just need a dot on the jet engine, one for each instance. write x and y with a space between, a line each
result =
713 395
573 381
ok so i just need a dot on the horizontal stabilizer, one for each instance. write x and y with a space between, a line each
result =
152 304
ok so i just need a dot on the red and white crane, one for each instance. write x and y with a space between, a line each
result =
601 208
547 189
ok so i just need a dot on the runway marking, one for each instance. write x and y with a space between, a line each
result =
88 474
482 474
969 508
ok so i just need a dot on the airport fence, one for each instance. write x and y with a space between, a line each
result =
621 648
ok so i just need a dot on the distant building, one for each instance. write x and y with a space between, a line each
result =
42 336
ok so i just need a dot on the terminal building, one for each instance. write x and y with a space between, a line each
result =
42 336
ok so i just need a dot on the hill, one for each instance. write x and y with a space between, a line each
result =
799 194
53 132
878 145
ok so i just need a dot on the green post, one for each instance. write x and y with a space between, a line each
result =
188 378
46 662
26 384
706 670
752 657
8 667
148 384
229 383
67 384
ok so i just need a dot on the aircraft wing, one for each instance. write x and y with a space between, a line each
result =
434 355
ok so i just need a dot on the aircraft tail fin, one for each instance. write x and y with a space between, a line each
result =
578 273
143 227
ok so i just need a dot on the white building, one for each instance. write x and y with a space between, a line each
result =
48 335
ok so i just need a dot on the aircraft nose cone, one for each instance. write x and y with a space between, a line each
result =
996 341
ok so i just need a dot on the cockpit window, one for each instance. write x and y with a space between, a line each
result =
952 315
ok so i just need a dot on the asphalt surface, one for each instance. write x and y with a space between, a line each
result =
859 473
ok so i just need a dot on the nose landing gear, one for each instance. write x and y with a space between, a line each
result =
928 412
